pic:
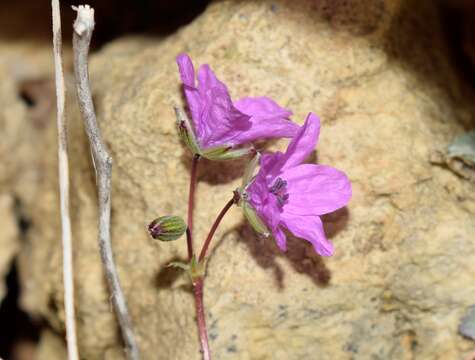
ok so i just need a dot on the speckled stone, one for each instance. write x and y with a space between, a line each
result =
12 156
377 72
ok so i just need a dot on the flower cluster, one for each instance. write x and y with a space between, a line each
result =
286 193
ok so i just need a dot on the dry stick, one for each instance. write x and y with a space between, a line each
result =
63 169
83 28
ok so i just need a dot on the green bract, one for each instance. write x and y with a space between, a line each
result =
254 219
250 170
185 130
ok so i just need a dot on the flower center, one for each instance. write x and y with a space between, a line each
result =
279 189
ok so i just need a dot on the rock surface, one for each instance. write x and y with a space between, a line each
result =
377 72
8 238
12 154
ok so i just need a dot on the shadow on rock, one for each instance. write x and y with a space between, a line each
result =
335 222
168 275
300 253
215 172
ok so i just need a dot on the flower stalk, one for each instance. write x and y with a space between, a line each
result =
200 317
216 223
191 204
198 281
285 193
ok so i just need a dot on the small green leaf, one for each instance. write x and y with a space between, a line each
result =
195 269
180 265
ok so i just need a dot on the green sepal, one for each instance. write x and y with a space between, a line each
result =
185 130
226 153
249 171
253 218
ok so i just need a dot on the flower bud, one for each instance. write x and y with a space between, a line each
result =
167 228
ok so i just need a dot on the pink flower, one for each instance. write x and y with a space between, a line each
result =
287 194
220 123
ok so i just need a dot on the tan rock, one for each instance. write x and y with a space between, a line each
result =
8 238
12 153
50 347
377 73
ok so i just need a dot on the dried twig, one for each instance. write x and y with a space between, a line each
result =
63 169
83 28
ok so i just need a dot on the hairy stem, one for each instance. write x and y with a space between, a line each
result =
83 28
191 204
214 227
63 169
200 315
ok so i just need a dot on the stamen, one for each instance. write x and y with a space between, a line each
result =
279 189
278 186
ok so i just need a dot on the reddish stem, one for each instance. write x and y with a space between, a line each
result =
191 205
189 244
215 226
198 283
200 314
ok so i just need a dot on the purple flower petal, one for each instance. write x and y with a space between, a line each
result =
193 98
264 203
309 228
315 189
221 123
280 238
271 164
303 143
261 107
267 128
217 122
269 120
207 80
286 193
186 69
